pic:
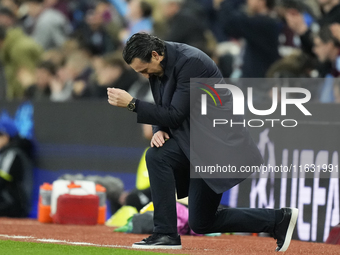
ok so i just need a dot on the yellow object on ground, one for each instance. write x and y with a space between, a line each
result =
142 180
121 217
148 207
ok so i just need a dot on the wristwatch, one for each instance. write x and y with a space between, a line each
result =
132 105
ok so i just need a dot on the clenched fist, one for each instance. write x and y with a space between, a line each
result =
118 97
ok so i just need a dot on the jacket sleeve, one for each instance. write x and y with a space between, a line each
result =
173 116
156 128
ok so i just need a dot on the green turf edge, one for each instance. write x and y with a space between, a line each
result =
9 247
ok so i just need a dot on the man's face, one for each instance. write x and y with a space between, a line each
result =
4 140
148 69
321 49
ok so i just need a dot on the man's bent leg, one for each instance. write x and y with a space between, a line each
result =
205 218
161 163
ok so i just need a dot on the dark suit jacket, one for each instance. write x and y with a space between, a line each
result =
171 113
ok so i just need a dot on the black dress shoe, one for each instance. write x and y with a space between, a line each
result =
284 229
159 241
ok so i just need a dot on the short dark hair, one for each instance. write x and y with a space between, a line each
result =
326 35
141 45
48 66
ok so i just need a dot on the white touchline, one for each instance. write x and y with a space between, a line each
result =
17 237
51 241
63 241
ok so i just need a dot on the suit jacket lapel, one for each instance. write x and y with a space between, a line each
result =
155 88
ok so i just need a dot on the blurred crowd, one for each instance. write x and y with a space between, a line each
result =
63 50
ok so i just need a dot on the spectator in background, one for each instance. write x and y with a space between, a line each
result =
78 71
61 5
51 27
112 20
46 84
99 33
112 72
15 7
139 19
12 5
296 21
327 49
307 9
44 81
7 17
183 25
16 175
259 30
19 54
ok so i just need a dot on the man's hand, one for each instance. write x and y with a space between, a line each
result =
296 22
158 139
118 97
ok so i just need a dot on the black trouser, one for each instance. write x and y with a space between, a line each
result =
203 201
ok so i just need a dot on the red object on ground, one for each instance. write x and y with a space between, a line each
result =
334 235
78 210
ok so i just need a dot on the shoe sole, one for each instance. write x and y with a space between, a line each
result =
290 230
150 247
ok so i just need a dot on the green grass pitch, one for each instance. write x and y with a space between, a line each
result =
24 248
